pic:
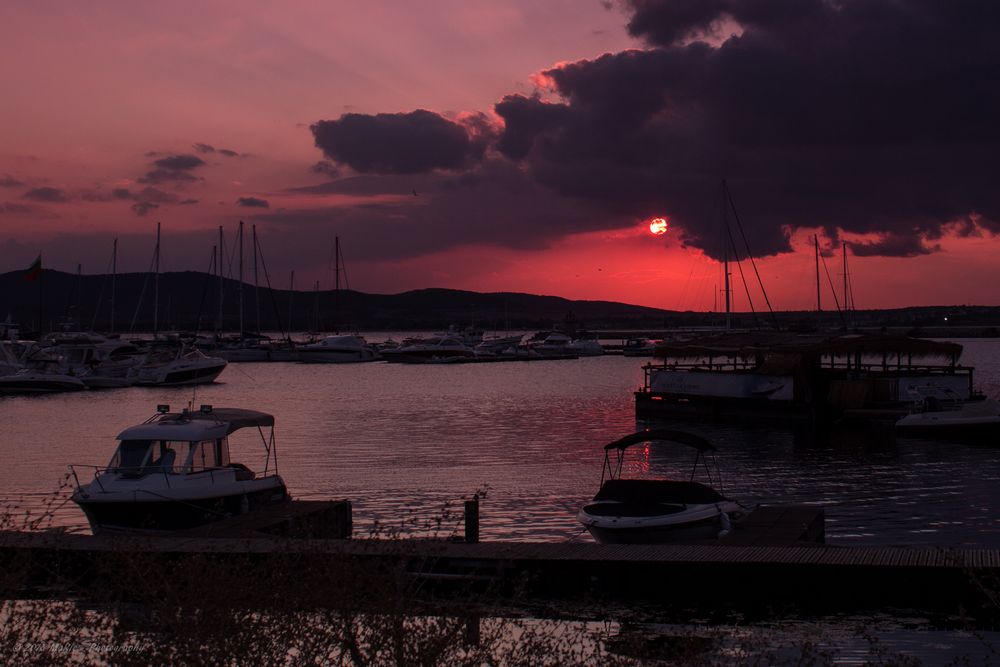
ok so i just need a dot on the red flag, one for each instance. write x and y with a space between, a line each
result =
35 270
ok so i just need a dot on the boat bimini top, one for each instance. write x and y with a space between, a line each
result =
705 450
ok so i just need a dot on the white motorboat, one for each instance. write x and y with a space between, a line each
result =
39 380
338 350
444 349
100 362
175 365
586 347
643 511
969 421
174 471
497 345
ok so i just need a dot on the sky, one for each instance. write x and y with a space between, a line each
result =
522 145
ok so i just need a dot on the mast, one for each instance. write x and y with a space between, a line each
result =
819 305
725 255
847 303
291 291
219 321
256 284
336 285
156 284
316 307
241 280
114 275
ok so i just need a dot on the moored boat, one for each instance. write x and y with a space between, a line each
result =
338 350
976 422
645 511
174 471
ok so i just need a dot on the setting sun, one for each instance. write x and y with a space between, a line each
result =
658 226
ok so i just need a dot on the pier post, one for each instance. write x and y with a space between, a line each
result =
472 520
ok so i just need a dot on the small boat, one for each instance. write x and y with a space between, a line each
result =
39 381
173 472
969 421
338 350
437 350
176 365
646 511
640 347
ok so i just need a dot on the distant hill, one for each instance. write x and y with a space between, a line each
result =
190 301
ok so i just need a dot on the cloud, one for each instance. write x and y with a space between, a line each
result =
402 143
252 202
15 209
893 245
495 204
229 153
179 162
203 148
143 207
174 168
187 202
326 168
47 194
864 116
8 181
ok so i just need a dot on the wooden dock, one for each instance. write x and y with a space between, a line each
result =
774 560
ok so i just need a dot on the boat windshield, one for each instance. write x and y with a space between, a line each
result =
141 457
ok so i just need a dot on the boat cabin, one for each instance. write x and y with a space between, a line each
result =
187 442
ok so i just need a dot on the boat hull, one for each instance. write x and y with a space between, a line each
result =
694 531
167 514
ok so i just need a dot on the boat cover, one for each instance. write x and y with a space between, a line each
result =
197 425
645 491
682 437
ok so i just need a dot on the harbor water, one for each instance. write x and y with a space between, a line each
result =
407 443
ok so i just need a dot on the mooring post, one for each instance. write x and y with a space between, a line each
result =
472 520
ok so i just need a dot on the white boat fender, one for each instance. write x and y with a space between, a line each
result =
726 524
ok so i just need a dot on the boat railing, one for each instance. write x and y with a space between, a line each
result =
145 471
746 365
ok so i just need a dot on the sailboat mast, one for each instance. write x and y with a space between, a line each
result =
819 304
256 284
725 255
847 303
291 292
241 280
336 285
156 284
219 321
114 275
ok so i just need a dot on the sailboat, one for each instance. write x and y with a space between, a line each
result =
339 348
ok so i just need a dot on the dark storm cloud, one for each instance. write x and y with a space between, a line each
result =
893 245
47 194
8 181
870 116
402 143
252 202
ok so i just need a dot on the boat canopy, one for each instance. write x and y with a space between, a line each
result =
681 437
201 425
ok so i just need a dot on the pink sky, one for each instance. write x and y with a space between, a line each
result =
95 93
